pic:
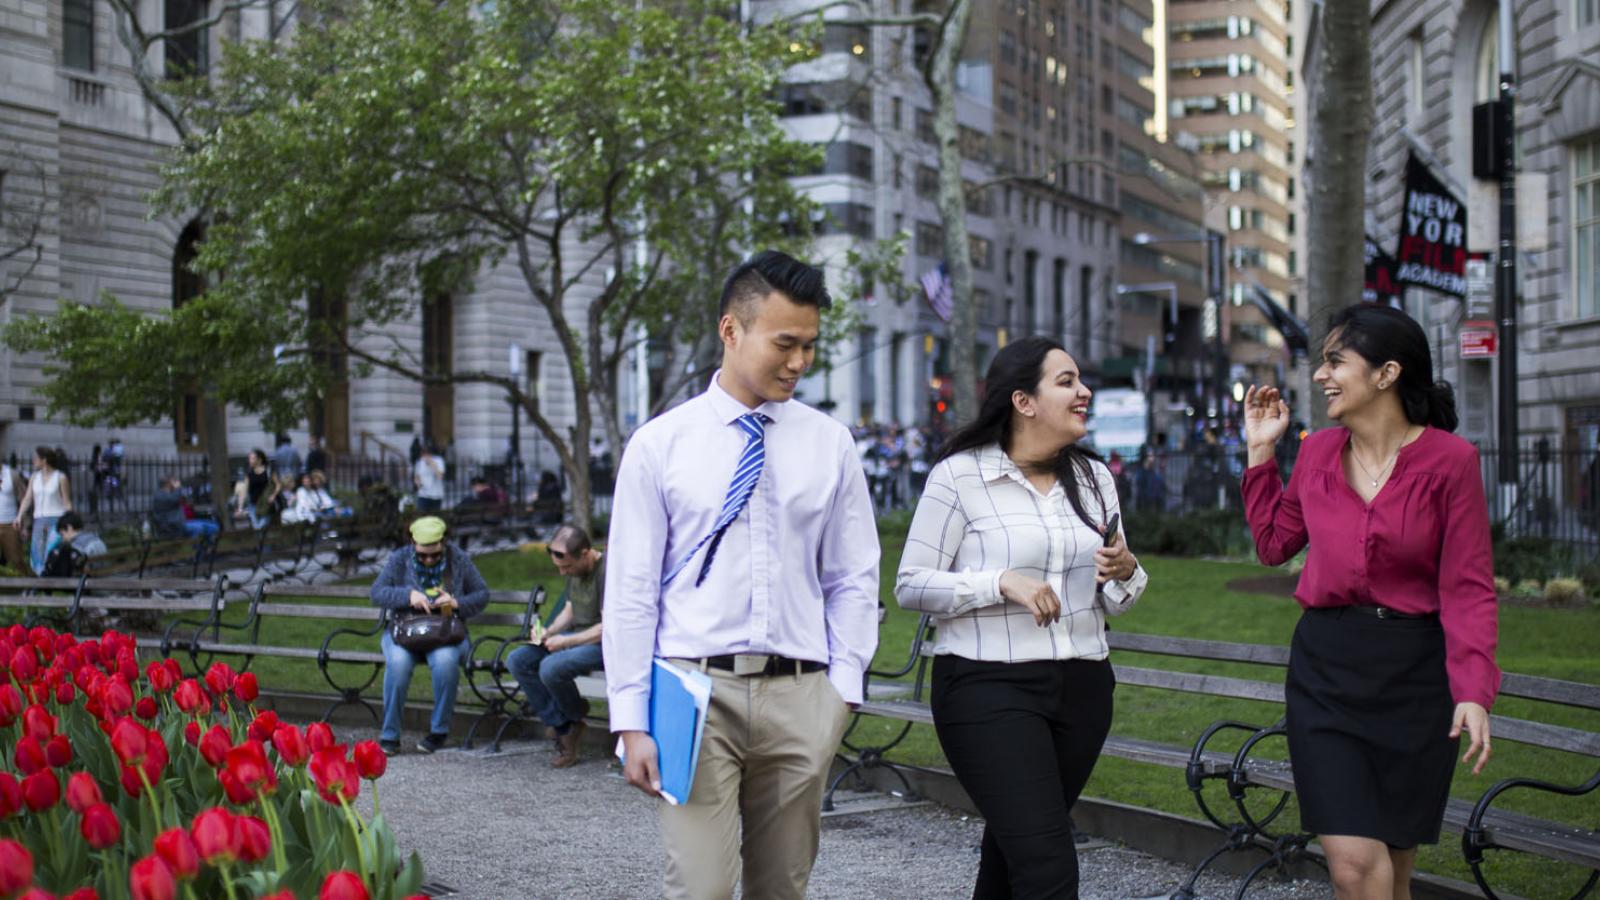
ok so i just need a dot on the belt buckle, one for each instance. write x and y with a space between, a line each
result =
1384 612
747 664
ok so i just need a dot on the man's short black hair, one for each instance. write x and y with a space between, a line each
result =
772 271
573 538
70 519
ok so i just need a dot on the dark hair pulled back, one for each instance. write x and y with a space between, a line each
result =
1019 366
1381 334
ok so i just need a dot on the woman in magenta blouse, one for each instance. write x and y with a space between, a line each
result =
1394 656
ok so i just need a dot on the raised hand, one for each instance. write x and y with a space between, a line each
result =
1266 417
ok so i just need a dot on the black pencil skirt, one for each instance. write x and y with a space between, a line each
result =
1369 712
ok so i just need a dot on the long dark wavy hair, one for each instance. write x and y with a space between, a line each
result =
1019 366
1379 334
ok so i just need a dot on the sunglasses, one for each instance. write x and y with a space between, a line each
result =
430 557
557 555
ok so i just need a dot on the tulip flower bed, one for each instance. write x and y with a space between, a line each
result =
149 786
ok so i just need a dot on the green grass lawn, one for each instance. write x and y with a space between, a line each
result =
1187 598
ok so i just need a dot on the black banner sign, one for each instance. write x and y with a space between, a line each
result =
1380 286
1433 234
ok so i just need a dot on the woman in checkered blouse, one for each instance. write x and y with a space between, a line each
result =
1008 550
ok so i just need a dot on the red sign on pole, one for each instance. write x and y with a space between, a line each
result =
1479 339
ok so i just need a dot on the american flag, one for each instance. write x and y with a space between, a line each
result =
940 292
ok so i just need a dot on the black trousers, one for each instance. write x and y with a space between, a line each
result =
1022 739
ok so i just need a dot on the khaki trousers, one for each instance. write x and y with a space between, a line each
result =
763 763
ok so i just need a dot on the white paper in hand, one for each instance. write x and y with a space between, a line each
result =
678 703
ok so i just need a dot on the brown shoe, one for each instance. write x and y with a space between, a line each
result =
567 746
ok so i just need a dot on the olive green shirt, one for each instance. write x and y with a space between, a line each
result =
586 596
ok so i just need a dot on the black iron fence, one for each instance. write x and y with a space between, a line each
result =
120 492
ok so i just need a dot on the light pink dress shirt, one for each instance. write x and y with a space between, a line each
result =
796 573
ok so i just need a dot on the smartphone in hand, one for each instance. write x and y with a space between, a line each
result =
1113 530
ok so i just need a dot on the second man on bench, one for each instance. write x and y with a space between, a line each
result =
548 664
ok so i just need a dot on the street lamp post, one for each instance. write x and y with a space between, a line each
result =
1214 275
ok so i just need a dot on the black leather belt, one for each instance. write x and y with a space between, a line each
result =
776 665
1384 612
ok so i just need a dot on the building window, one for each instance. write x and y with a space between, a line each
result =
1486 83
188 52
188 284
1416 78
77 35
1586 226
1586 11
845 218
930 240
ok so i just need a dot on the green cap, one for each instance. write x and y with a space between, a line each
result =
427 530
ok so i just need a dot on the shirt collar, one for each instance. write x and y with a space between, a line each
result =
729 410
994 464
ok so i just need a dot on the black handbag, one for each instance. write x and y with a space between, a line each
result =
425 632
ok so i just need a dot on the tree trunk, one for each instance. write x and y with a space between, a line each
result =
941 78
214 436
1341 130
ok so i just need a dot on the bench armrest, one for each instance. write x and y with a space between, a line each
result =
374 630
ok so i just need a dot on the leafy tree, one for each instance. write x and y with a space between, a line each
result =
619 157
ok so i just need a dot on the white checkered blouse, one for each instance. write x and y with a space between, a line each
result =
978 517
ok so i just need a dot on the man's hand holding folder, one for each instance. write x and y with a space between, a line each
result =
639 762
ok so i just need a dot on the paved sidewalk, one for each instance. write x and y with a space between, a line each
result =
506 825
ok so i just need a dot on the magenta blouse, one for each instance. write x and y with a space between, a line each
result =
1421 546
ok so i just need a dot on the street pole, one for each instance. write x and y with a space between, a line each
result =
1506 258
1217 286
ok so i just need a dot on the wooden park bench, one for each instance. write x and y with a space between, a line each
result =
64 603
347 656
1250 824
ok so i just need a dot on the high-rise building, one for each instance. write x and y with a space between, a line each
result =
1229 98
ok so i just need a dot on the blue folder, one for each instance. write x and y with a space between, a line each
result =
678 704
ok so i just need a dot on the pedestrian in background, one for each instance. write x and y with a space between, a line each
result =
428 478
50 495
11 491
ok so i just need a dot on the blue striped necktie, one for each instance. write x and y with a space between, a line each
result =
745 476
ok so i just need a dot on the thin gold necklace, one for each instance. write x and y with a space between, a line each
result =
1384 471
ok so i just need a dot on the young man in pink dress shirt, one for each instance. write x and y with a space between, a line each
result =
744 545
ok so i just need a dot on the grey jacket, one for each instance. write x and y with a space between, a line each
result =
395 583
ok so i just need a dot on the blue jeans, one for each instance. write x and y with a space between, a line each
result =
429 504
546 679
201 528
258 521
444 664
44 531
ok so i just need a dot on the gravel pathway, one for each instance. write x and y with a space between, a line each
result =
506 825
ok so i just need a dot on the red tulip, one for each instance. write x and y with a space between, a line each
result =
248 762
128 665
100 827
220 678
245 687
10 704
10 795
29 756
342 885
290 743
38 724
216 835
161 678
64 696
41 790
24 663
263 725
83 792
16 867
336 777
371 761
58 752
234 788
36 894
83 893
130 741
131 782
191 698
178 851
191 733
146 708
319 736
150 879
255 839
215 744
116 697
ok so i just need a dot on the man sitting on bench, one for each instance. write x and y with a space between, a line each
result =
547 665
